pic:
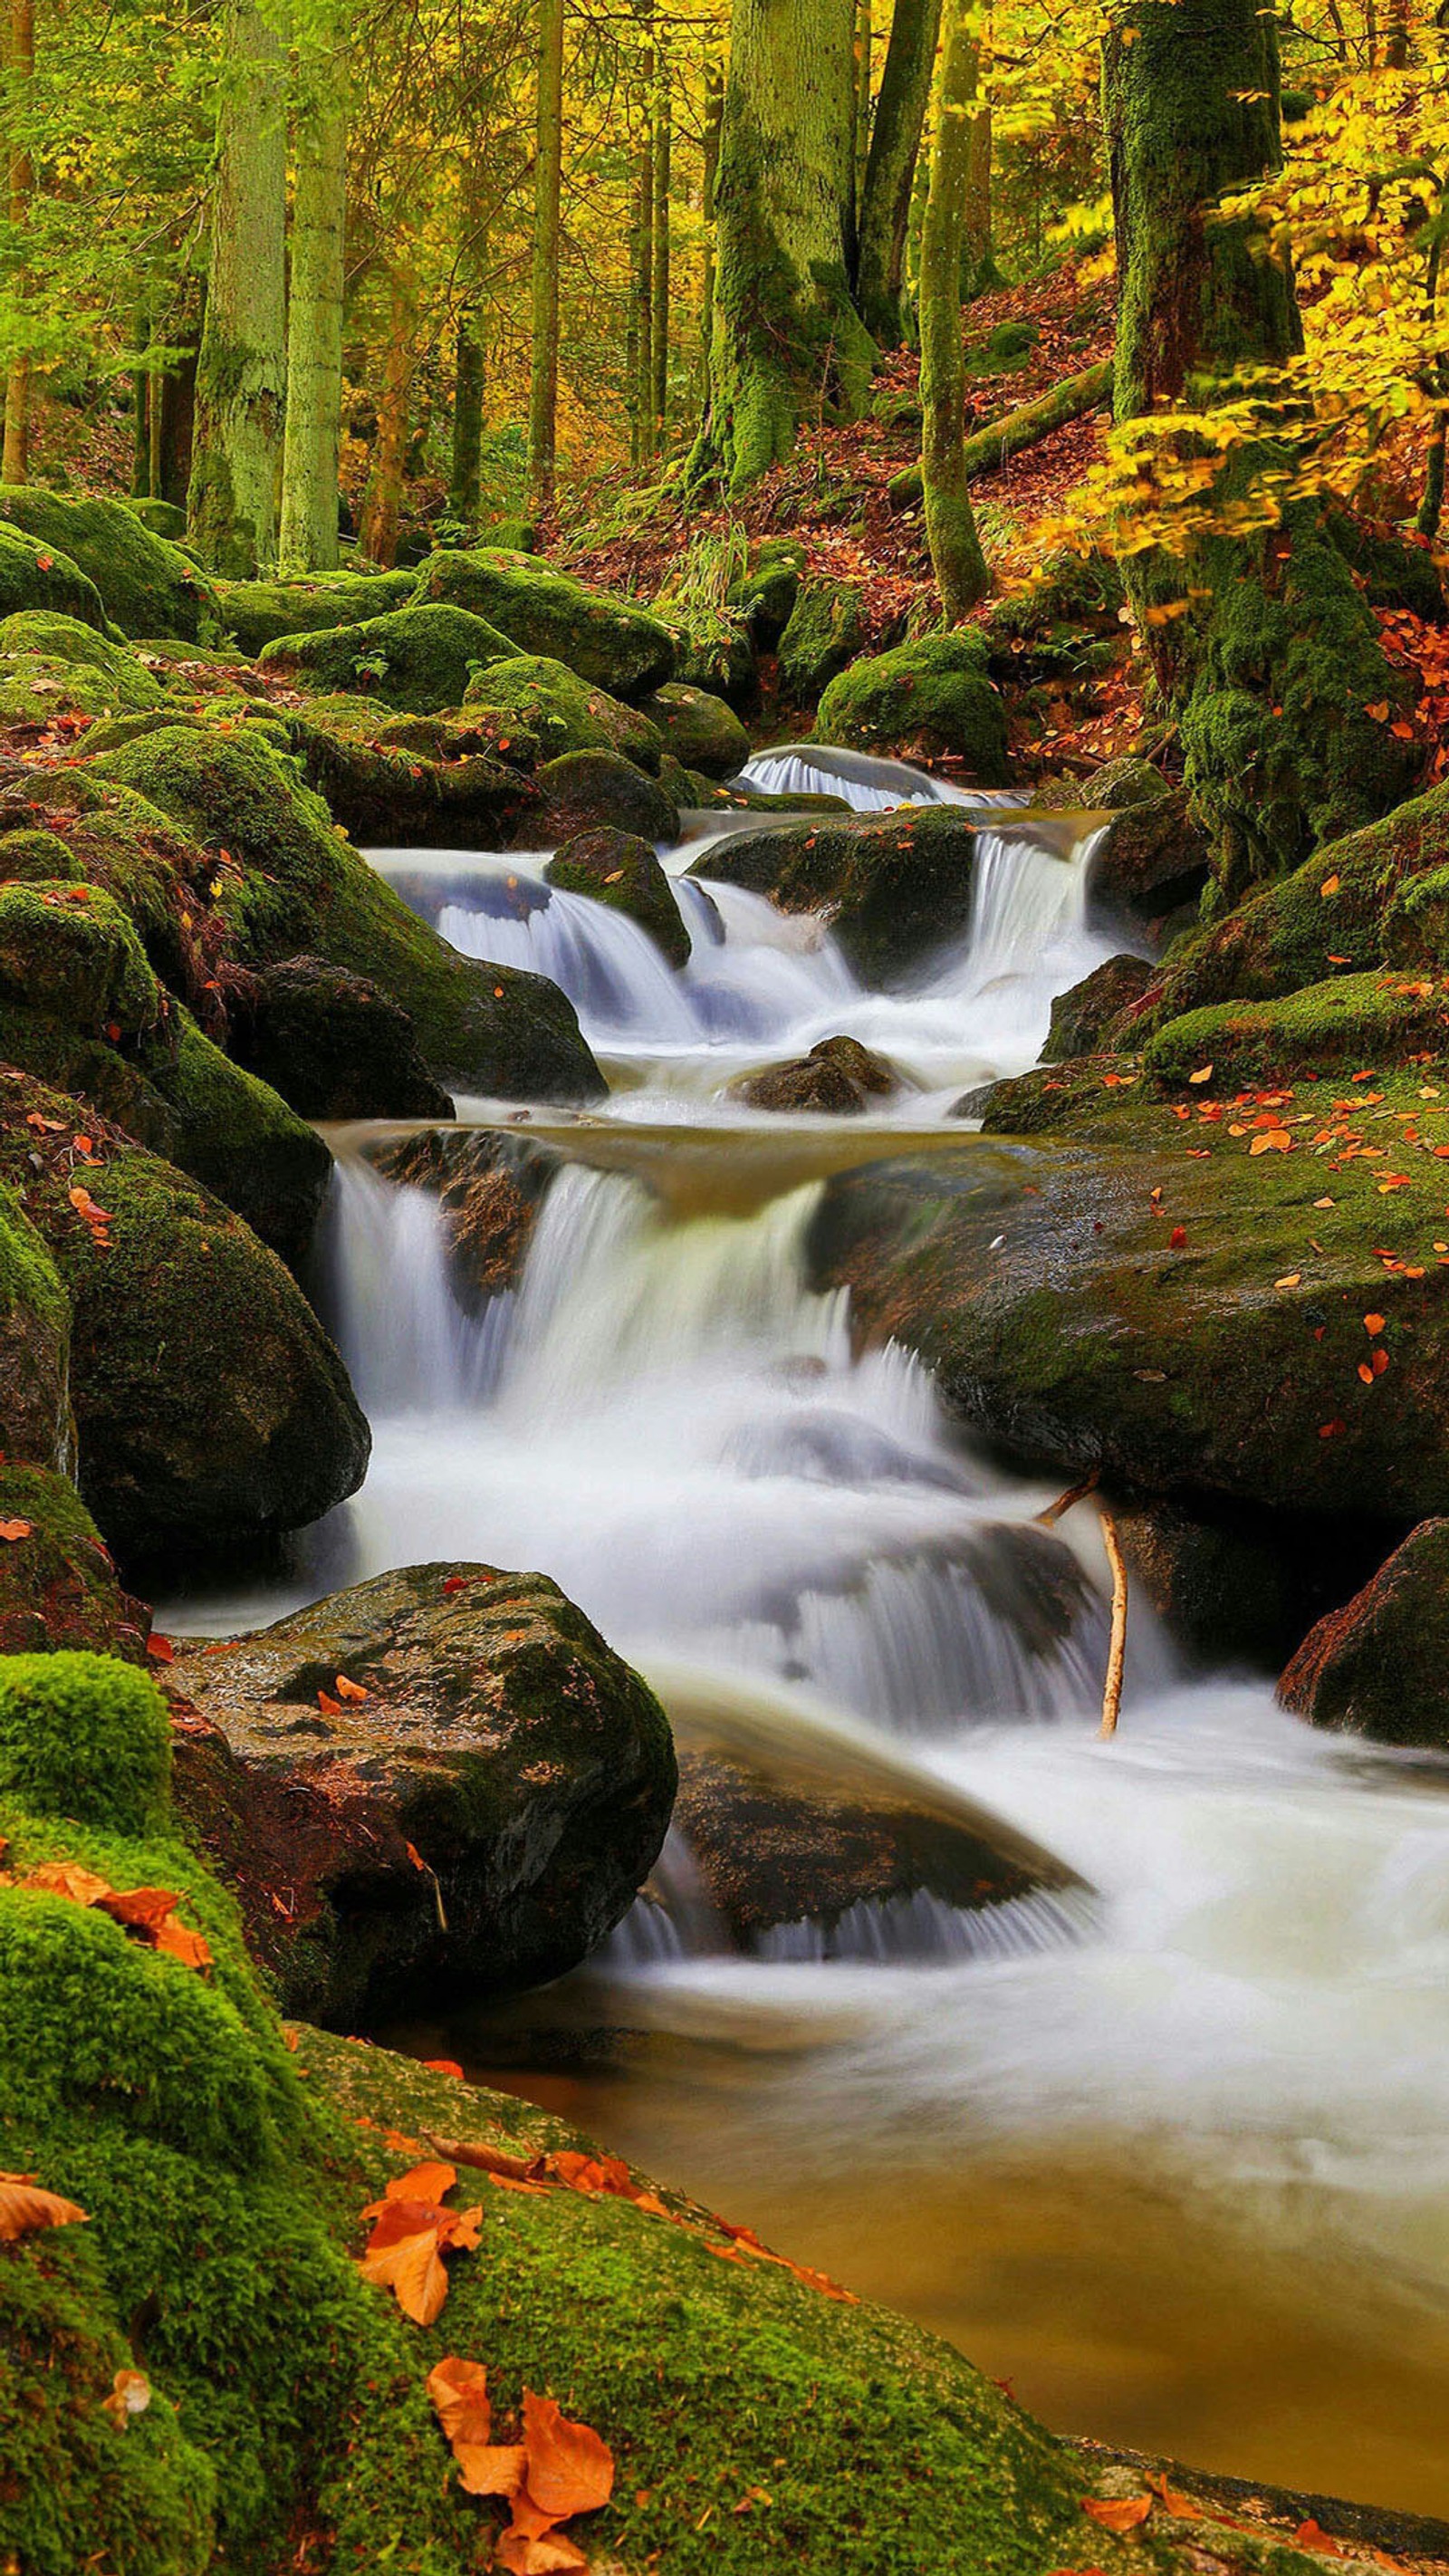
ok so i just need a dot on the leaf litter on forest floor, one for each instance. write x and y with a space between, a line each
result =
558 2469
411 2233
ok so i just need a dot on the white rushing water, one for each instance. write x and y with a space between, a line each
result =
1242 2044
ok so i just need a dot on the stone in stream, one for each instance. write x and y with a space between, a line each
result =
334 1046
489 1186
620 869
930 698
701 731
838 1078
563 713
475 1806
897 886
1082 1016
587 790
436 782
1378 1666
1153 856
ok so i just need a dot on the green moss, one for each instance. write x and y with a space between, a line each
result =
85 1737
700 730
619 869
163 518
257 613
148 587
72 952
36 576
31 857
418 658
826 631
562 711
932 697
1359 1020
58 1587
609 642
129 687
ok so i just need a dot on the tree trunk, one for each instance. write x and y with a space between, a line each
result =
713 114
639 355
986 449
1276 658
864 75
382 507
241 371
900 119
141 410
174 396
314 325
547 235
956 557
15 465
979 272
465 480
787 338
659 264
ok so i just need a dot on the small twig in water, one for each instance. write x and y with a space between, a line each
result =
1076 1494
1116 1652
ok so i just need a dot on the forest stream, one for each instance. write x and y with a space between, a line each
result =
1165 2149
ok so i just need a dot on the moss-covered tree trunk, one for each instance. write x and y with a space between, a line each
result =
1276 660
547 243
141 409
788 341
662 121
713 119
308 540
465 471
900 119
15 466
979 272
242 369
173 419
864 84
956 557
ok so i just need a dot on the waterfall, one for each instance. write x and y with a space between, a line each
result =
871 785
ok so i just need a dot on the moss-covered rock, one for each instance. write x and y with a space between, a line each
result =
86 1737
334 1046
563 712
289 883
838 1078
58 1586
1380 1665
36 576
621 870
931 697
212 1411
130 687
1082 1015
1152 860
699 729
163 518
432 782
588 790
826 630
258 613
35 857
613 643
34 1331
499 1738
765 595
1359 1021
417 658
71 952
148 586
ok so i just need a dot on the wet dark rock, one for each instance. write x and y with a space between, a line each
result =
838 1078
490 1186
1232 1584
483 1816
620 869
826 630
334 1046
896 886
586 790
1082 1016
1380 1665
438 782
1154 859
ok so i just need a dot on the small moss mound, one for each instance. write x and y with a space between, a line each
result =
36 576
58 1587
609 642
84 1736
562 711
129 686
699 729
418 658
258 613
71 951
933 697
1375 1019
766 594
826 631
585 789
36 857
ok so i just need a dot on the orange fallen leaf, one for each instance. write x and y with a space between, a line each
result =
405 2251
130 2395
1294 1279
160 1649
1204 1073
1373 1325
25 2208
1311 2535
1119 2514
349 1690
1329 886
570 2466
329 1707
491 2468
443 2066
13 1530
459 2391
1274 1140
67 1878
552 2555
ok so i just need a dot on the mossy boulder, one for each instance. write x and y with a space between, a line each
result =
699 729
420 659
1379 1666
258 613
825 632
130 688
148 587
612 643
163 518
897 886
58 1586
34 1328
439 782
37 856
85 1736
530 1769
587 790
334 1046
289 883
34 576
562 712
70 952
1069 603
213 1413
839 1078
765 595
621 870
931 697
1358 1021
1092 1297
1082 1015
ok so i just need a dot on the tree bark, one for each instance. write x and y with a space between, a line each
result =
979 272
547 238
787 338
174 397
383 505
986 449
465 478
1260 643
15 462
900 119
864 80
639 357
308 540
659 263
713 116
959 565
141 410
241 371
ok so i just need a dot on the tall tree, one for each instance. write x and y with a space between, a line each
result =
547 243
895 144
1261 643
659 252
308 540
956 557
787 337
378 533
241 373
713 119
15 466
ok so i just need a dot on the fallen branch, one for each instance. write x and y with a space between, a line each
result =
989 448
1116 1651
1075 1494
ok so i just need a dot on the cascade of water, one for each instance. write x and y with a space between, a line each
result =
872 785
408 1345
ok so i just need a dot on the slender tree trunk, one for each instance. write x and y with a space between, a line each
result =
141 485
787 338
15 464
956 557
1276 660
713 115
979 272
155 441
547 236
174 397
900 118
383 505
864 50
640 354
465 480
659 264
241 373
314 324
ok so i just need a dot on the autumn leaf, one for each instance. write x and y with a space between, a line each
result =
25 2208
443 2066
330 1707
459 2391
1311 2535
1119 2514
1373 1325
552 2555
1204 1073
412 2232
570 2466
349 1690
160 1649
67 1878
130 2395
13 1530
1273 1140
